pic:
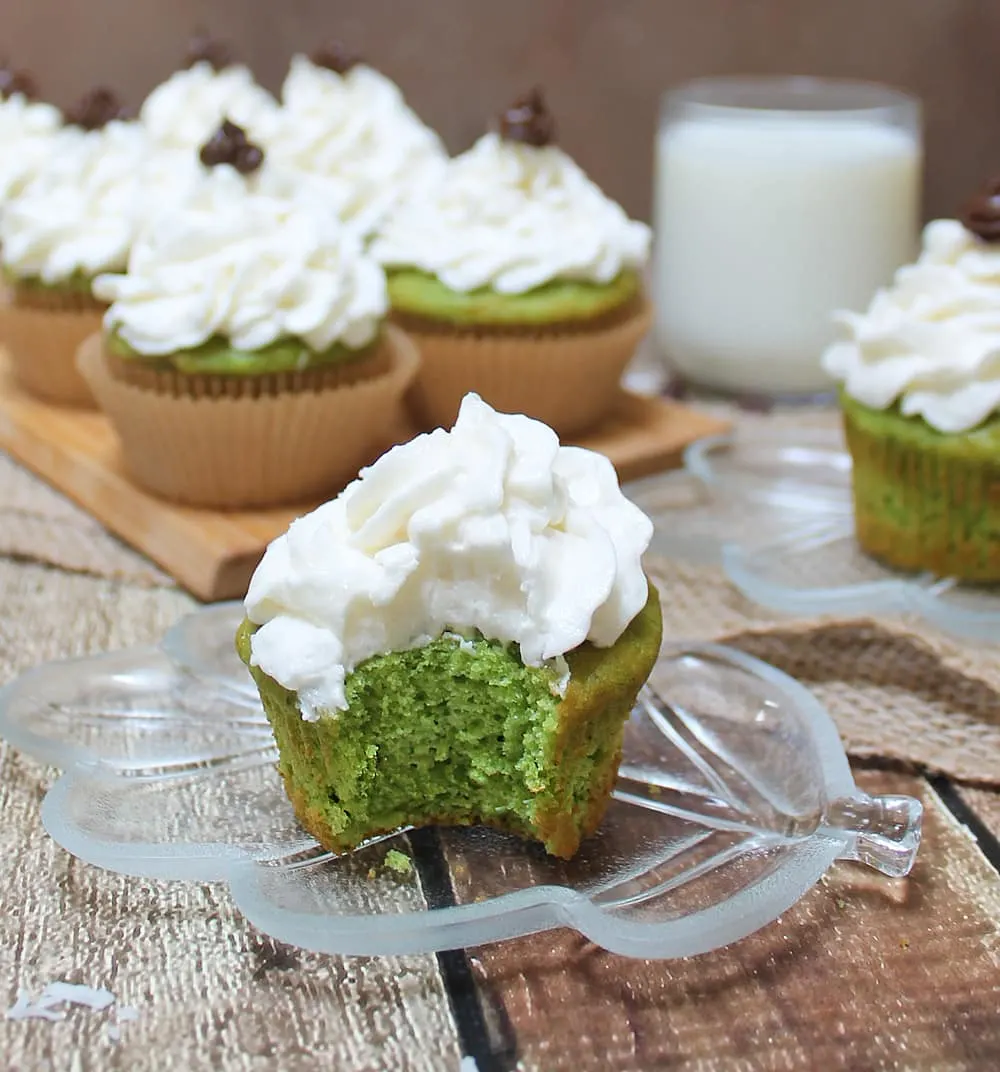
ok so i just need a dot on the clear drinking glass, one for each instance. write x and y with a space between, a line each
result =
777 201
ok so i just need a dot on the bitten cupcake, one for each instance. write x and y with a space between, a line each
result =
76 218
27 132
184 111
920 374
243 360
519 279
345 128
458 638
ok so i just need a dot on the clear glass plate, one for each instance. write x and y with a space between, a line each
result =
773 507
734 797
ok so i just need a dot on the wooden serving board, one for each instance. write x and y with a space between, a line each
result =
213 553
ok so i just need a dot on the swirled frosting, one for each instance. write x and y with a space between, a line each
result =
931 341
247 261
27 130
511 217
81 212
491 526
186 109
353 138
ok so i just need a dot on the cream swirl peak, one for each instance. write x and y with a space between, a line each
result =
350 135
186 109
248 261
511 217
931 341
492 526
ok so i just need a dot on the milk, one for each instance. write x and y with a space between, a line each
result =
766 222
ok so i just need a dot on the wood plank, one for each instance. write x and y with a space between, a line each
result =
213 553
865 972
985 805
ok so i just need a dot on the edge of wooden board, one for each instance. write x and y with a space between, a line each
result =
76 452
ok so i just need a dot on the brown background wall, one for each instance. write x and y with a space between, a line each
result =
603 63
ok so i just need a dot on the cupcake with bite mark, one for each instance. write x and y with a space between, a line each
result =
346 129
77 217
920 389
243 360
519 279
458 638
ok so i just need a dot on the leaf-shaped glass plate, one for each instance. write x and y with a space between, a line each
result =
773 507
734 797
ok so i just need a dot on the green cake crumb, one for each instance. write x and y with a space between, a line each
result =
399 862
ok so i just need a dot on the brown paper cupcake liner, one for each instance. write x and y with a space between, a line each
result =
569 379
241 452
42 340
169 381
919 510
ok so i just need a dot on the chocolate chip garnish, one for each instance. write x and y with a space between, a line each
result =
96 108
202 48
229 145
981 213
12 82
335 56
528 121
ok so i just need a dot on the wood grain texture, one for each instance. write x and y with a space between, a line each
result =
604 65
211 992
213 553
864 973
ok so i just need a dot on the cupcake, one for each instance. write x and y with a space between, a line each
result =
243 360
75 218
519 279
27 132
458 638
345 128
184 111
920 375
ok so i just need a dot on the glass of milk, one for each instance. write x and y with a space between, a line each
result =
777 201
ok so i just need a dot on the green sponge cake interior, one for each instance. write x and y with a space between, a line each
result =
460 731
558 302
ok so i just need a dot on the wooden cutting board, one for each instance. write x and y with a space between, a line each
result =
213 553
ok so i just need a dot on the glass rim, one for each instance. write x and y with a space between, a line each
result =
791 96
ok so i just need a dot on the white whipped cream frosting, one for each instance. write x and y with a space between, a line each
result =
186 110
82 210
512 217
354 138
492 526
27 133
244 259
931 341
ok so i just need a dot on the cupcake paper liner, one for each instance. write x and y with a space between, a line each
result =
41 338
231 451
919 510
568 378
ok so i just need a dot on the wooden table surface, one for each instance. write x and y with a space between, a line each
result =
864 973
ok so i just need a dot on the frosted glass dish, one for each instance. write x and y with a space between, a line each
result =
773 507
734 797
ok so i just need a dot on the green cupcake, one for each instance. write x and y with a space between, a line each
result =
458 638
519 279
921 402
